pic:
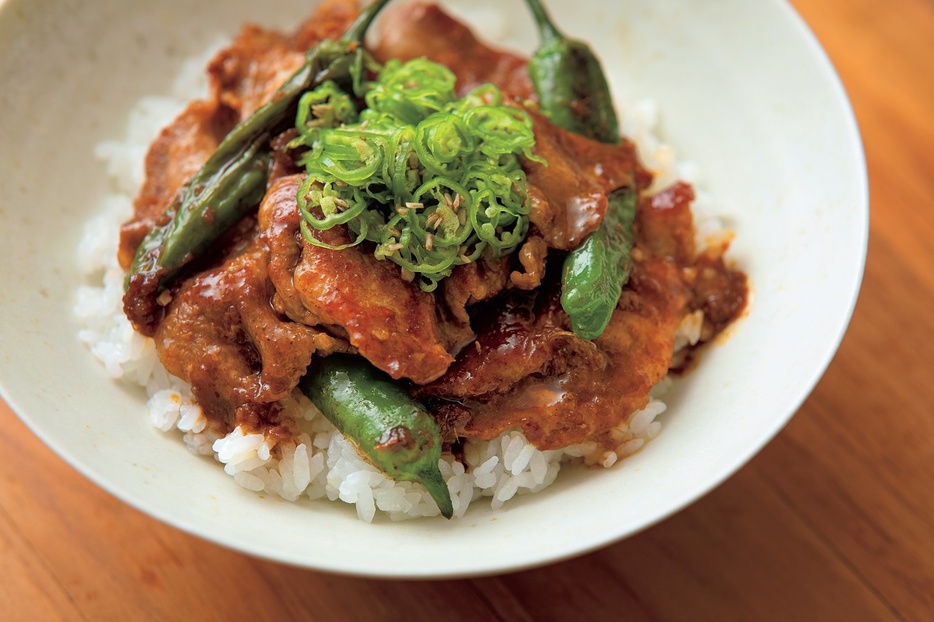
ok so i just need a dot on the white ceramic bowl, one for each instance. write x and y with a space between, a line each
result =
744 90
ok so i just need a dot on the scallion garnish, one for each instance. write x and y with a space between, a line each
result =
431 179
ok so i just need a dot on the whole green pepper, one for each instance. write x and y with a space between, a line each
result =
573 93
233 180
389 428
569 81
595 272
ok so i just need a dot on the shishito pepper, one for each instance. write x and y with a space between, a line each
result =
233 180
595 272
573 93
376 414
569 81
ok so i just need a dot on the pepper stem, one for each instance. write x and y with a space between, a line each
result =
546 28
358 29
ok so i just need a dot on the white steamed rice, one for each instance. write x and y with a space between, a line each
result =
317 462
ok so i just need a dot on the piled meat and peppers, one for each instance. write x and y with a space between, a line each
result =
435 240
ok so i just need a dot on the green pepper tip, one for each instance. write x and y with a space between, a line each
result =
546 27
358 29
434 483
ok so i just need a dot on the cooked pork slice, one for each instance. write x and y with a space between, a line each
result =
665 224
245 75
279 223
582 389
516 337
472 283
390 321
221 335
569 190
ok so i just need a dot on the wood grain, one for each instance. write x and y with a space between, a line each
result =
834 520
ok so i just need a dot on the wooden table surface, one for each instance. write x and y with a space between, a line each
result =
834 520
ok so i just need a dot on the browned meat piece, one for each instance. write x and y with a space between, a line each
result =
468 284
472 283
665 225
582 389
283 158
245 75
569 192
416 30
390 321
279 221
518 335
329 21
221 335
220 332
528 371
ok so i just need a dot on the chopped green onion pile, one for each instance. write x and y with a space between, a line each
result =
431 179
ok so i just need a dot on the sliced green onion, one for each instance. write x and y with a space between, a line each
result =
430 179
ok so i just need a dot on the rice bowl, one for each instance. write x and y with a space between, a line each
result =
683 462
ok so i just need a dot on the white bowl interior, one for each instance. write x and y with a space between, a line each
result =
744 90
